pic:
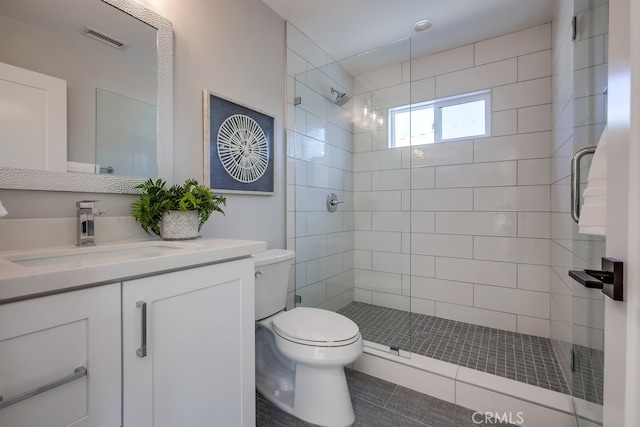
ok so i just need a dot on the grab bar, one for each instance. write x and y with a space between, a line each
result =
575 181
77 373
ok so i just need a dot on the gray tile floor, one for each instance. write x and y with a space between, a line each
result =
588 377
521 357
379 403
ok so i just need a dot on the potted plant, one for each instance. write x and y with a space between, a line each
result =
177 212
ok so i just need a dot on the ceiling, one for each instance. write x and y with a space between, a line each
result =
344 28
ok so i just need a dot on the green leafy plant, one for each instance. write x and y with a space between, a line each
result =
156 199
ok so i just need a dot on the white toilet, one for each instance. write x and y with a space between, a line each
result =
301 353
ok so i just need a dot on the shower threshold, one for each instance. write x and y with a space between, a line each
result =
472 389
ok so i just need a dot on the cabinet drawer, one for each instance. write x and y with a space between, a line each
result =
38 357
43 341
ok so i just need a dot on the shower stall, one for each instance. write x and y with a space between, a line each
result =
427 199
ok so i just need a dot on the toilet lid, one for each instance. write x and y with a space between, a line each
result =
315 325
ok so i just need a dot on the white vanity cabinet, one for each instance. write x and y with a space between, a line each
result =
188 347
70 342
165 331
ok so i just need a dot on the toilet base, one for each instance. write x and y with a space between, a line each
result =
320 397
316 394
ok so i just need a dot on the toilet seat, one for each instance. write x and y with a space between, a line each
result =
315 327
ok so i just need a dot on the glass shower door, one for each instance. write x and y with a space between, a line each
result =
354 259
590 104
382 198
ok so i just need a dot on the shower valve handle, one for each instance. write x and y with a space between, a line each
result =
332 202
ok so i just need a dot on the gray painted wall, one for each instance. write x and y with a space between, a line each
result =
233 48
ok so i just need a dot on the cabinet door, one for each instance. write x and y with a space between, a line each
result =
197 327
44 341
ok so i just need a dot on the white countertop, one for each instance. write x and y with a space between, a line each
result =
28 273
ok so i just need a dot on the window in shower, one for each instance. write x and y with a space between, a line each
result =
446 119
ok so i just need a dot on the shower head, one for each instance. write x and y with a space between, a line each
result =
339 98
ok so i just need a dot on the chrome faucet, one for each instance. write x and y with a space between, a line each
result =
86 218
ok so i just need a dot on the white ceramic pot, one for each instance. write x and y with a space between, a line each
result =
179 225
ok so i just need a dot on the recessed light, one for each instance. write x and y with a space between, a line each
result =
422 25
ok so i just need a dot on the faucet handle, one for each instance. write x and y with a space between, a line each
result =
97 211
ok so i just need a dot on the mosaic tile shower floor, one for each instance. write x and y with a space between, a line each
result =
525 358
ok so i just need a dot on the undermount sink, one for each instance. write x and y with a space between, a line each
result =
27 273
94 255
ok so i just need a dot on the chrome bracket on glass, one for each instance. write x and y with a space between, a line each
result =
332 202
79 372
575 181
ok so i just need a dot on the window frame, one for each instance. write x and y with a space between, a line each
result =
437 105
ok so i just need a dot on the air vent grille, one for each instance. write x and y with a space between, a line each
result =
95 34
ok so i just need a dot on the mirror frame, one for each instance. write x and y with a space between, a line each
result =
29 179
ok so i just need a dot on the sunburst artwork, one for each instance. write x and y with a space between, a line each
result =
243 148
238 147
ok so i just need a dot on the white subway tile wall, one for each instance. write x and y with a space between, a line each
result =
479 209
320 160
468 224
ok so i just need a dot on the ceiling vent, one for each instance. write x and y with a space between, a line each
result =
95 34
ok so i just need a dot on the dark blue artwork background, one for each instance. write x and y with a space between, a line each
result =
219 110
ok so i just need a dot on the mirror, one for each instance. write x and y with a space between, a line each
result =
139 80
125 136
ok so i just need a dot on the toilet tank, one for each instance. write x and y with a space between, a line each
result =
272 281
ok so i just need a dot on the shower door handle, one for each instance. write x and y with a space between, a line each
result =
575 181
610 279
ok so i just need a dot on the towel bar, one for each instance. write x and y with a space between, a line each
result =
575 181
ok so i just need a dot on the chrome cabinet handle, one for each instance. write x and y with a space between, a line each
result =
79 372
142 351
575 181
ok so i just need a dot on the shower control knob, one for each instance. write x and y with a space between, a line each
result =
258 274
332 202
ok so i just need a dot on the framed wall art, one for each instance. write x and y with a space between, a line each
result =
238 147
